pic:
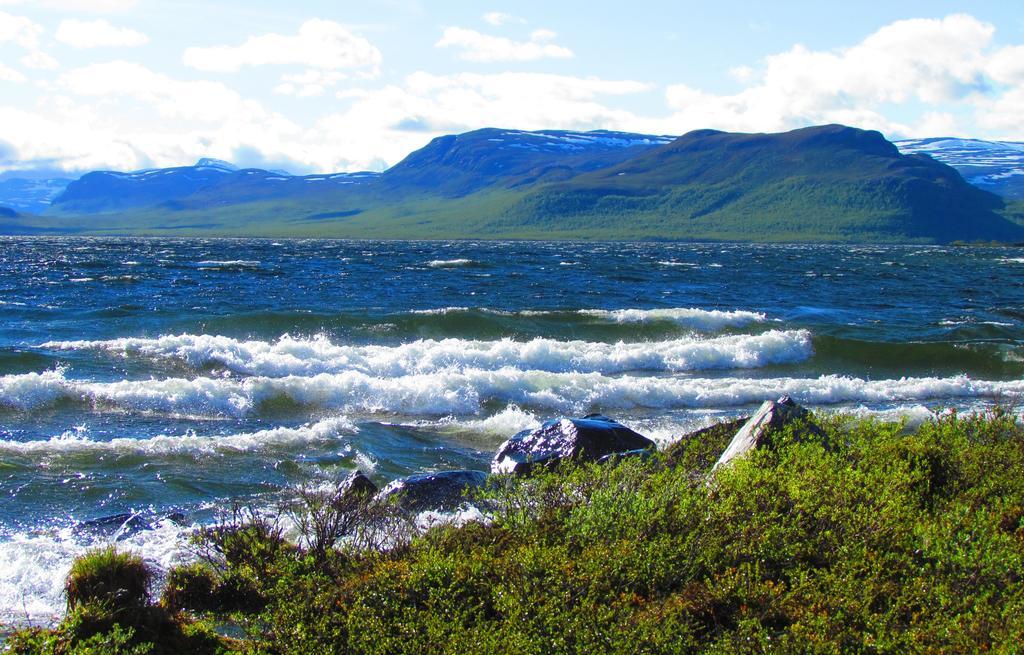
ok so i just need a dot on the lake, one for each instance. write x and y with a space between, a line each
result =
175 376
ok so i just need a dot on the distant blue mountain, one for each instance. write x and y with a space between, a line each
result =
450 165
32 196
208 181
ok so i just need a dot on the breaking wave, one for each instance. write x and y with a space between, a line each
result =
696 318
293 356
465 392
78 441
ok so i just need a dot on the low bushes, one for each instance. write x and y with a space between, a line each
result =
110 613
119 580
885 541
868 539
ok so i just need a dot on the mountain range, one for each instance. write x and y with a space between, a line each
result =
824 183
996 166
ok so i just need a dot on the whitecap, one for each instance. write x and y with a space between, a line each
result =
293 356
450 263
466 391
77 440
701 319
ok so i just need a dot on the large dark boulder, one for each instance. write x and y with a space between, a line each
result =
757 432
579 439
444 490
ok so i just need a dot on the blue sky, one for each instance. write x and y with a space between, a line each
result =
325 86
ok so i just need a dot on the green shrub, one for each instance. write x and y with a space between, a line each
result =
189 587
869 538
116 579
109 613
116 641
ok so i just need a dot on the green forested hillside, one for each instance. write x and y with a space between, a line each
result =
828 183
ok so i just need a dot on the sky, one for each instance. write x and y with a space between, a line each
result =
323 86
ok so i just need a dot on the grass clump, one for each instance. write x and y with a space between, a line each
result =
110 613
189 587
107 576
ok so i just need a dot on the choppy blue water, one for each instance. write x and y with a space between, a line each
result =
166 375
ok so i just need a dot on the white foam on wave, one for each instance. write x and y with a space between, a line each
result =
33 567
689 317
508 421
465 391
292 356
450 263
228 263
441 311
73 442
701 319
30 390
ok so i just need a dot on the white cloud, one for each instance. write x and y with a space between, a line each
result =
479 47
39 60
121 115
928 61
499 18
742 73
309 84
20 30
384 125
97 33
198 100
1004 114
319 44
1007 65
8 74
938 123
937 77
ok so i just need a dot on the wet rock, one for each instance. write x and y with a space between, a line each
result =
357 484
772 416
122 526
444 490
580 439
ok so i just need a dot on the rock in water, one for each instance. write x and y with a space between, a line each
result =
444 490
755 433
122 526
581 439
358 484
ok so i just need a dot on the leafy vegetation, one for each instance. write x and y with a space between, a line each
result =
871 539
109 613
107 576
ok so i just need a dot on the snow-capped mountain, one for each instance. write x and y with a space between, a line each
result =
29 195
996 166
209 162
208 183
452 166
